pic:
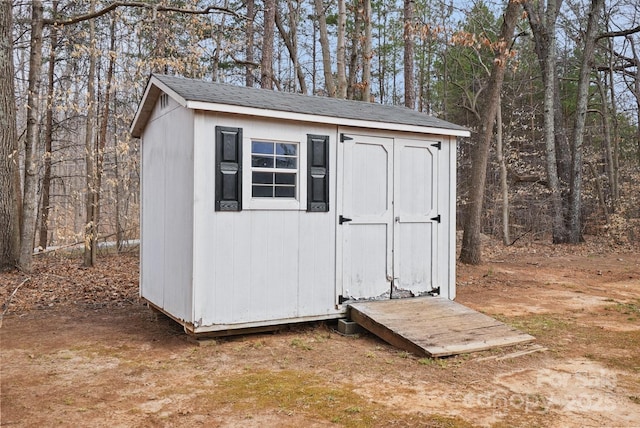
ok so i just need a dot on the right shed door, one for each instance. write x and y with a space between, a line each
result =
416 216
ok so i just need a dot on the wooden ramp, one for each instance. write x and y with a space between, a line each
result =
433 326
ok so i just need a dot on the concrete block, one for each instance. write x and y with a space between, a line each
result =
348 327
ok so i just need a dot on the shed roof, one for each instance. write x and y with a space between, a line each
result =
201 95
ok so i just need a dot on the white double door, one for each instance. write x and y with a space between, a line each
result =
387 208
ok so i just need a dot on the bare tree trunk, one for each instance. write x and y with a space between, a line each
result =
599 191
575 207
383 61
341 51
9 186
506 240
102 136
353 56
266 64
555 137
251 14
29 202
636 87
324 46
471 251
291 42
367 53
314 56
607 143
614 116
91 227
218 37
48 136
550 107
409 77
543 25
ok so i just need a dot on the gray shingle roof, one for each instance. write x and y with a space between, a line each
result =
218 93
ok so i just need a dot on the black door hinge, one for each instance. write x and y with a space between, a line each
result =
341 299
436 218
344 138
438 145
342 219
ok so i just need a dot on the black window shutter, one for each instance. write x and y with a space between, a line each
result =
228 169
318 173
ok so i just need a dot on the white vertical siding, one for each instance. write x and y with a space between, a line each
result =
317 263
152 221
167 215
446 245
260 264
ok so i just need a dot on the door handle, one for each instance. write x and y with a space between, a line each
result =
344 219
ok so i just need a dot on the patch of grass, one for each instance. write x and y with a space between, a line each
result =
300 344
629 308
322 337
291 392
540 325
258 344
433 362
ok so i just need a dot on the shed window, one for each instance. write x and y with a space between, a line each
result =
274 169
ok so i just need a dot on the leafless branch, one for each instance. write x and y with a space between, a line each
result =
139 4
621 33
242 61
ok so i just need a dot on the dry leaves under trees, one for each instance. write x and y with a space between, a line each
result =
58 280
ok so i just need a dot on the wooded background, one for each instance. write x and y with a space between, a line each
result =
550 90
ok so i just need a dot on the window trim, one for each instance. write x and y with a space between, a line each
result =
261 203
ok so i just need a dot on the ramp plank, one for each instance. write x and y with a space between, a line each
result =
433 326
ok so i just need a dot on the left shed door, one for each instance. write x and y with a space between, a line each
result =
365 209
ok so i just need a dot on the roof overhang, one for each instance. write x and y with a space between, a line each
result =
151 94
302 117
155 87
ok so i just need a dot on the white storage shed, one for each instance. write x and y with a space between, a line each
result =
262 208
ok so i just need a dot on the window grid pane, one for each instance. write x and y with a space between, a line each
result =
274 169
262 191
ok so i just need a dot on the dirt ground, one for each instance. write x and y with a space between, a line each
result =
78 349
